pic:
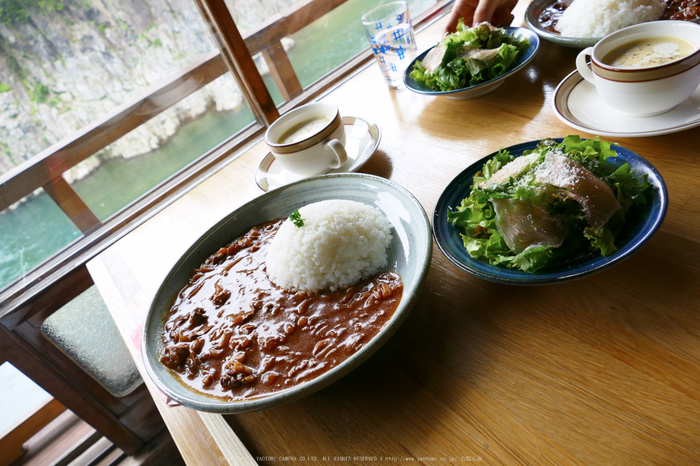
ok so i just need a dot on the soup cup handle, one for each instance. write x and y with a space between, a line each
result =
582 64
340 155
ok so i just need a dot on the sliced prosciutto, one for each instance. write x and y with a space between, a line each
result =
523 225
574 181
478 54
434 58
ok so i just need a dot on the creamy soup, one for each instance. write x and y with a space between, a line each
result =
303 130
644 53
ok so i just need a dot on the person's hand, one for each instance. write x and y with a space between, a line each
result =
496 12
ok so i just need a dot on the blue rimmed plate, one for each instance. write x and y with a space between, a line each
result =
448 239
481 88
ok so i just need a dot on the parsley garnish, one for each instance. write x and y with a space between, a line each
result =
296 219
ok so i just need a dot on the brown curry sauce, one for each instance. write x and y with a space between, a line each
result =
232 333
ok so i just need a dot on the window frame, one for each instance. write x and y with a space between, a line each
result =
62 277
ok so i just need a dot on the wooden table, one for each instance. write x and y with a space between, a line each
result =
601 370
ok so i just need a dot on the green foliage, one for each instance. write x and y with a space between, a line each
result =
4 88
37 94
13 12
13 64
42 93
151 42
6 149
49 6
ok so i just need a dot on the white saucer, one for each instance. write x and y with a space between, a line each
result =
361 140
577 103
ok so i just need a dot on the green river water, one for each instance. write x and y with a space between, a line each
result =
37 229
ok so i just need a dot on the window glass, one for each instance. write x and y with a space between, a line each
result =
336 37
31 231
69 62
65 64
128 168
322 45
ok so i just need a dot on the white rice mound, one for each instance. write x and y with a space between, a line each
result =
341 243
598 18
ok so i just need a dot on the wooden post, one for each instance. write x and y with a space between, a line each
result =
72 205
282 71
238 59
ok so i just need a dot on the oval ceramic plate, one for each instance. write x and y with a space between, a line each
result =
482 88
450 243
409 254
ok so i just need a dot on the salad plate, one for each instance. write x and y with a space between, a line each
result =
577 103
640 229
361 141
480 89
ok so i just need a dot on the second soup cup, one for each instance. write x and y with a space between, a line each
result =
308 140
644 90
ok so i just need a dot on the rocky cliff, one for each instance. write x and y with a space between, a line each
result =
65 63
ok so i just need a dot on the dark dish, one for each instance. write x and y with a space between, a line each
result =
231 333
683 10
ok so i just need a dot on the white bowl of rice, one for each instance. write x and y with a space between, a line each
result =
356 225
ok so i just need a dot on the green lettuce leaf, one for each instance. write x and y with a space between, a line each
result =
601 239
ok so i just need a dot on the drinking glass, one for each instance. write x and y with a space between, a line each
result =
390 33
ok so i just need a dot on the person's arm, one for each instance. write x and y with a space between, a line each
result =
496 12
